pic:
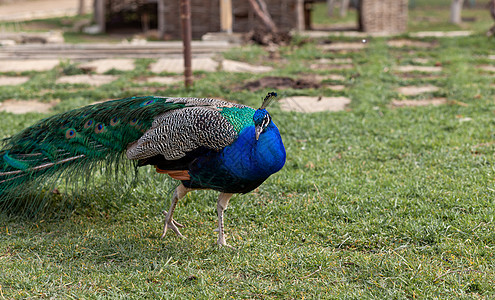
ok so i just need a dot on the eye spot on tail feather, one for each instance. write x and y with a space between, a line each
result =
114 121
146 103
70 133
99 128
88 124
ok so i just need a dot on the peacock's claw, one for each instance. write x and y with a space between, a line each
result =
172 224
221 242
173 221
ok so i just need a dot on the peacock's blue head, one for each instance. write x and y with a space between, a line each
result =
261 117
261 120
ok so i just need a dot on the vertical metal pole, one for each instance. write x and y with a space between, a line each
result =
185 16
300 15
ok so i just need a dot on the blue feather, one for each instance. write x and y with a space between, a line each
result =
241 166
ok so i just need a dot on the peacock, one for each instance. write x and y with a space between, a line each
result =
204 143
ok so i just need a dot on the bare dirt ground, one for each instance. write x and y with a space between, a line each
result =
17 10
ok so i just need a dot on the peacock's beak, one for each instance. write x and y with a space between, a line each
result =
258 130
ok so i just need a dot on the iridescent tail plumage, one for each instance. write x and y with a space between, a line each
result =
72 144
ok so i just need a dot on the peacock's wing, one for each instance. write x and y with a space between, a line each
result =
177 133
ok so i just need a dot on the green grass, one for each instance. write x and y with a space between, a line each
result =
373 202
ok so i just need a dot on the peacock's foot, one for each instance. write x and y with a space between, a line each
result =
222 243
172 224
221 240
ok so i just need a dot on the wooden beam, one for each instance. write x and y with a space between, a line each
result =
455 11
262 11
300 15
185 16
330 6
344 6
226 15
100 15
81 10
161 18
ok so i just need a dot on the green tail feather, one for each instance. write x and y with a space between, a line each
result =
74 142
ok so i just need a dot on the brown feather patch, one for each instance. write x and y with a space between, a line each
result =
175 174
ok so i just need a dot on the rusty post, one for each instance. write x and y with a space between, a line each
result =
185 16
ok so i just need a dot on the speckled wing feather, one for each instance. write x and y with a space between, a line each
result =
175 133
211 102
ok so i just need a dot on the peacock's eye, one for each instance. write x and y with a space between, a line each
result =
266 121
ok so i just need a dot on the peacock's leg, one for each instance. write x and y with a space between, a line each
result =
223 201
179 192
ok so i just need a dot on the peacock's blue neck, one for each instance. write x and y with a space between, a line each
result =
251 158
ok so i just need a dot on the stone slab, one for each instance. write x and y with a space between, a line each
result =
488 68
416 90
176 65
336 77
242 67
419 102
337 87
13 80
420 60
322 66
22 107
314 104
422 34
163 79
424 69
28 65
94 80
342 31
343 46
399 43
334 61
103 65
